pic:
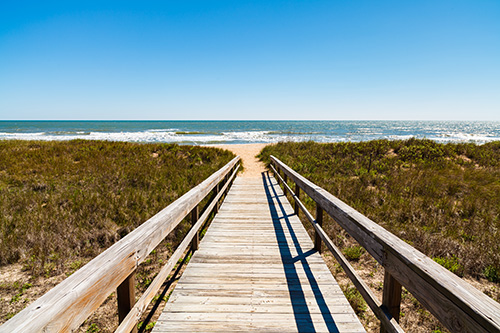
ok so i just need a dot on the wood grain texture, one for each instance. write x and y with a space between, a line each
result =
66 306
257 270
391 295
454 302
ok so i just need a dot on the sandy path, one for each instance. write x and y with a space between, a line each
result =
253 167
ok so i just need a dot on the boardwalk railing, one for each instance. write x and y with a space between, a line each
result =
69 304
454 302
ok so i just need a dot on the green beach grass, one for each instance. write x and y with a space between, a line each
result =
63 200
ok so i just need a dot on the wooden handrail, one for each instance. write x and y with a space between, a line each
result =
70 303
454 302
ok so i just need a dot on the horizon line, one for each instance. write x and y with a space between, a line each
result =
235 120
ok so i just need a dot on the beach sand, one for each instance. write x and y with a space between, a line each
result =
253 167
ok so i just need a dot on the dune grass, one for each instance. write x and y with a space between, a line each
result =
443 199
63 200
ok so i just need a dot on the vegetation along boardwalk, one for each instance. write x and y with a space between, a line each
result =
257 269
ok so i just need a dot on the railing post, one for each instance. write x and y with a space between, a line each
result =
225 182
391 297
319 220
285 178
228 180
126 297
296 205
216 208
195 214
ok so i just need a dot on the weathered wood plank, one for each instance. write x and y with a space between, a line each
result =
258 322
269 319
255 290
188 307
335 302
261 280
222 326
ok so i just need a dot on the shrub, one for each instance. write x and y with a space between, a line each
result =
492 274
450 264
355 299
354 252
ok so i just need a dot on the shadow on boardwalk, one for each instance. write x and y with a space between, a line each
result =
281 221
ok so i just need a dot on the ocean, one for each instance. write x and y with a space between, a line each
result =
238 132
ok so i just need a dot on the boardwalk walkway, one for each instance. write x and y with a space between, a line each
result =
256 270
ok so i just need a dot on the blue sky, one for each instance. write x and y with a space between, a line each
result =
422 60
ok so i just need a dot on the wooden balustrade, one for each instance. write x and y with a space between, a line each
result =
454 302
70 303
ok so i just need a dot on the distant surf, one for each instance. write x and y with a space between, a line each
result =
238 132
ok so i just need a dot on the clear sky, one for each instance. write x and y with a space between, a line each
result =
239 59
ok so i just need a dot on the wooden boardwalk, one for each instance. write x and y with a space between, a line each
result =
256 270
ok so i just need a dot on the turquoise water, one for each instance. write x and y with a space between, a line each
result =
236 132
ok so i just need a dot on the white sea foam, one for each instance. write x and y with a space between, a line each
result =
20 136
465 137
149 136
